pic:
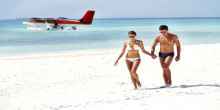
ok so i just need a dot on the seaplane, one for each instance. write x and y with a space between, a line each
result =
61 23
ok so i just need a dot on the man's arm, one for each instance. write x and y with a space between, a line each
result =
178 47
154 45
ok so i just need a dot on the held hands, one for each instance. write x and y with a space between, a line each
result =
153 56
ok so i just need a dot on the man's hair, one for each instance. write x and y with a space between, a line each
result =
163 27
132 32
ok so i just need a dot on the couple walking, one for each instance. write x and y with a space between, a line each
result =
167 42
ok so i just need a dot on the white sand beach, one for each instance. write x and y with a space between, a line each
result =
89 81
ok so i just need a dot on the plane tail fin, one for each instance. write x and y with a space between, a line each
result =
88 17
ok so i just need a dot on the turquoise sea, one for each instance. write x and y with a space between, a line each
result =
104 33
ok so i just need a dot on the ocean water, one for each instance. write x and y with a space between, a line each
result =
103 34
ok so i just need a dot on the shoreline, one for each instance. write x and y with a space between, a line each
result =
80 53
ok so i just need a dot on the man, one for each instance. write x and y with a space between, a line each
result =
167 41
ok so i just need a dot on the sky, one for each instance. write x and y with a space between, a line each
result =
10 9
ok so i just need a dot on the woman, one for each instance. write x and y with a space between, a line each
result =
131 48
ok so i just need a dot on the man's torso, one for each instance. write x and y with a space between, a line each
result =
167 43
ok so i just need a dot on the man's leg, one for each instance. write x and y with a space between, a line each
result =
164 71
165 63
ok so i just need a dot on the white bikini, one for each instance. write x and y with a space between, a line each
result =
134 47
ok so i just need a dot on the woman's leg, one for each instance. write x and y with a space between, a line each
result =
129 65
134 72
138 81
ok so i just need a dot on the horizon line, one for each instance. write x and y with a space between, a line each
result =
154 17
124 18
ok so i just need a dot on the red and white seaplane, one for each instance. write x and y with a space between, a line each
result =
49 24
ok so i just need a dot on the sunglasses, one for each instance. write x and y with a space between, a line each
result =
131 36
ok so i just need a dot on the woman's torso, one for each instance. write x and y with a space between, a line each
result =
133 47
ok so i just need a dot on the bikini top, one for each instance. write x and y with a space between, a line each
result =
133 45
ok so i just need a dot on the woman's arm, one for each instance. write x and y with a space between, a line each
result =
143 49
122 53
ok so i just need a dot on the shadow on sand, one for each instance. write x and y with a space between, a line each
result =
186 86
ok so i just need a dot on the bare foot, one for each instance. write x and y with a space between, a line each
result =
166 86
139 84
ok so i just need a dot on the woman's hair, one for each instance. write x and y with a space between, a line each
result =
132 32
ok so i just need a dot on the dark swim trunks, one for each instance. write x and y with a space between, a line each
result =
165 55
